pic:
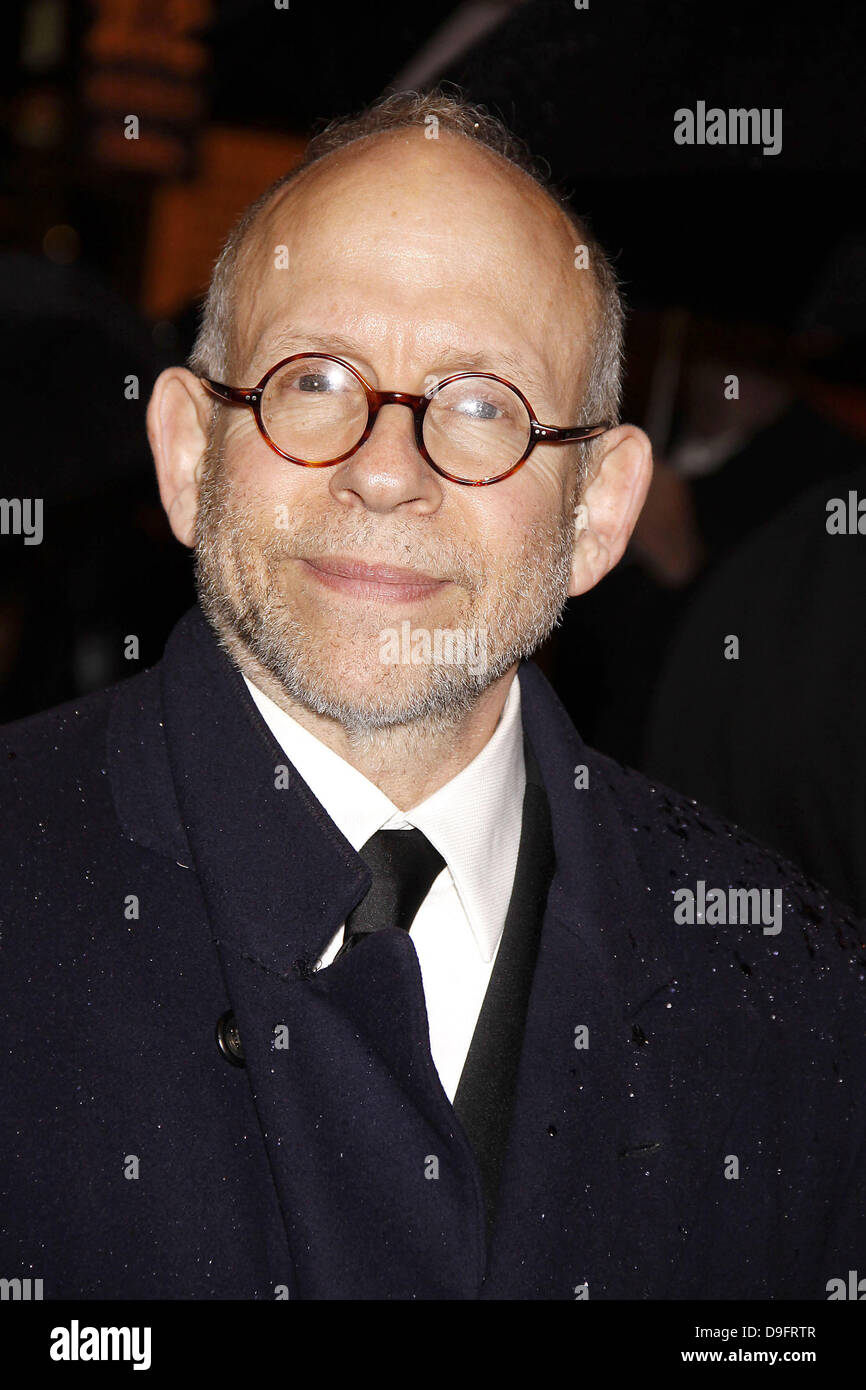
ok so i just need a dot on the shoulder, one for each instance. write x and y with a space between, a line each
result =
718 891
59 759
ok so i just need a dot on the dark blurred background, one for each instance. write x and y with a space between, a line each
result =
734 264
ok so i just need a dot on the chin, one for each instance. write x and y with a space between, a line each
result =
364 696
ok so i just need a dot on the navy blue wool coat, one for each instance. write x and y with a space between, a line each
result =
688 1111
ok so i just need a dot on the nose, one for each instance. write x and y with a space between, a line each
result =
388 472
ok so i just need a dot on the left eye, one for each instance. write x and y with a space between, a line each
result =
478 409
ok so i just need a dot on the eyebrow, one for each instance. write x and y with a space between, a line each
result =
501 362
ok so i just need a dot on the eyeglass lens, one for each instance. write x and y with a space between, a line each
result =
316 410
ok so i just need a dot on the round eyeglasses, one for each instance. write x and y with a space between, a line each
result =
473 428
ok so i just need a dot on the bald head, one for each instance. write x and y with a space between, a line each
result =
438 246
474 174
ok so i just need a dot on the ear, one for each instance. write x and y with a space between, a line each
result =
609 506
178 416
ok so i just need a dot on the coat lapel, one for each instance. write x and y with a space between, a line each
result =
379 1188
598 1163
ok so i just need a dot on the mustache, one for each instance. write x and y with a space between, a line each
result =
368 543
364 536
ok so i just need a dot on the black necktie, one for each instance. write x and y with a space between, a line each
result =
403 864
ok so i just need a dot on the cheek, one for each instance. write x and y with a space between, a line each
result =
530 503
258 475
550 471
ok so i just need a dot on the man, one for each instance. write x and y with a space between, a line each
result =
337 967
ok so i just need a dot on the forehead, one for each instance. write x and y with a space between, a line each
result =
404 243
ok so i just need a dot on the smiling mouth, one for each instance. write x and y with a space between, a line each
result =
389 583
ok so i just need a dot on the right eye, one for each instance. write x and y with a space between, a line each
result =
313 381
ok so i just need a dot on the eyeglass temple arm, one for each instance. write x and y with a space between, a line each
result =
550 434
232 395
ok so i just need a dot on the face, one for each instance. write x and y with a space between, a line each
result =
411 259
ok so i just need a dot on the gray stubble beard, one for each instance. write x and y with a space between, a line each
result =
238 590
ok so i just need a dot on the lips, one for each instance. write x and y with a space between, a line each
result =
377 574
390 582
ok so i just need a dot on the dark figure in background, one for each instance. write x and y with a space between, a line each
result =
775 740
77 367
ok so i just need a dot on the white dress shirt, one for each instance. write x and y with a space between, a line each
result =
474 821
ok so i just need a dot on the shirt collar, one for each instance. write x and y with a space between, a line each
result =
474 820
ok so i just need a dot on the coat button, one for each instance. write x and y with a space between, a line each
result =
229 1039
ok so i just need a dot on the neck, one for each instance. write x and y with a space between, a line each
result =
408 762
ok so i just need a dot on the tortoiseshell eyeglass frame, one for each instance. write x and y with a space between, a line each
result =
251 397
